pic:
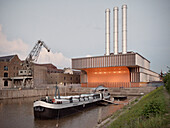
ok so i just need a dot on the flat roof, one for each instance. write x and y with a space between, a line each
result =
128 53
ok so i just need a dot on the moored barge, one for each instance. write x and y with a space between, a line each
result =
61 106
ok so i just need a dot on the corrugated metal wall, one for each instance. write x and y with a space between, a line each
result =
104 61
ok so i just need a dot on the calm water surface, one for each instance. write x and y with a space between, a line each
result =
18 113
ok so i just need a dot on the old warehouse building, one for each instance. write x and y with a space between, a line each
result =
50 75
118 69
9 66
43 75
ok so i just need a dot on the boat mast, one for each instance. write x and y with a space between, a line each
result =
57 89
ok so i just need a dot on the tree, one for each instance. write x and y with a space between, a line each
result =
166 79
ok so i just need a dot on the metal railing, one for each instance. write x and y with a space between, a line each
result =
115 84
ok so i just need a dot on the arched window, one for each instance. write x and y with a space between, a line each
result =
5 74
6 83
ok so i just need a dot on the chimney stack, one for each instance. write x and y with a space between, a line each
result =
107 32
124 29
115 29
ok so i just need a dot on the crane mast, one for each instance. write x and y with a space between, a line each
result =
33 56
27 69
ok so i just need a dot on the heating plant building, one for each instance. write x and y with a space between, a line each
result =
118 69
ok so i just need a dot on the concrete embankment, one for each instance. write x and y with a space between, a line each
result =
16 93
22 93
131 91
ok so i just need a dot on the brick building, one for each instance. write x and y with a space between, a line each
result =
12 74
60 76
9 66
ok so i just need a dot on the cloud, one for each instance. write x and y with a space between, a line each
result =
16 46
22 49
56 58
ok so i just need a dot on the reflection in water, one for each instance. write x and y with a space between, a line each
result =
100 115
18 113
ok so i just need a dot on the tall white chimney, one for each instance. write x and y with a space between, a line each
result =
115 29
107 32
124 29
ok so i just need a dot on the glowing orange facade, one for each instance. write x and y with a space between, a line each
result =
109 74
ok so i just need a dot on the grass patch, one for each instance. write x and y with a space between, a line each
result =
149 112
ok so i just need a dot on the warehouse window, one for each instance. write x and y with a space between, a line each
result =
5 68
5 83
71 78
5 74
64 78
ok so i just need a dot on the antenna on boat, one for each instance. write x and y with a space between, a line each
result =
57 89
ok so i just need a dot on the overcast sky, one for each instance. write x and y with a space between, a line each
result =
76 28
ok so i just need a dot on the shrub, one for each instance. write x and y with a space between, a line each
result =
153 108
166 80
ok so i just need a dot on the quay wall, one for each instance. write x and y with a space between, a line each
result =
131 91
16 93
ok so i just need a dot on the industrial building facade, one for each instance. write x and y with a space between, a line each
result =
118 69
127 70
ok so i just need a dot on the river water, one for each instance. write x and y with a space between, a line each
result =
18 113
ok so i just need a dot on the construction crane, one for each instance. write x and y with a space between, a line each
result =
27 71
33 56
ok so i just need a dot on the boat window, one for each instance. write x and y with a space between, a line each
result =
71 99
96 96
